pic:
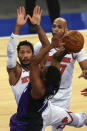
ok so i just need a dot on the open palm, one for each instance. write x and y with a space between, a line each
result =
36 18
21 19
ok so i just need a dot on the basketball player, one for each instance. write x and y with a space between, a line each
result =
34 108
19 73
67 66
29 111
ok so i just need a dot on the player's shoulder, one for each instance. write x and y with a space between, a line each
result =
37 44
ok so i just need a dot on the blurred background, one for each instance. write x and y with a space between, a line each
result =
74 11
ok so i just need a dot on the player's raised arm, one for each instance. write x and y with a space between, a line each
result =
20 20
13 67
35 76
36 19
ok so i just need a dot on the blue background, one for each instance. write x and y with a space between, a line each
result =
76 21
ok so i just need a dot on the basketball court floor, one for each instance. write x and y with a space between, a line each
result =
7 101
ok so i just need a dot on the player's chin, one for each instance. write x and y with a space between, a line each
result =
57 35
25 63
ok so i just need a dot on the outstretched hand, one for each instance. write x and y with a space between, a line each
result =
21 19
36 17
83 74
84 92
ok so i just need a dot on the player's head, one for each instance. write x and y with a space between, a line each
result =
25 51
59 27
52 80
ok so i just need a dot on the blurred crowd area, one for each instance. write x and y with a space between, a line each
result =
8 7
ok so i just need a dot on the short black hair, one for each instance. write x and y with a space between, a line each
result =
53 76
27 43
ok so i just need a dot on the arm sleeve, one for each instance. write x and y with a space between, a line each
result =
73 119
37 47
79 119
11 51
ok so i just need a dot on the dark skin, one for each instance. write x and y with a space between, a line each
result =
38 84
84 92
84 75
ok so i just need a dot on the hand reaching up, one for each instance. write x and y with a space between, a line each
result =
83 74
84 92
36 17
21 19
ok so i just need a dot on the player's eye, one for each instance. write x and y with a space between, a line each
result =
54 26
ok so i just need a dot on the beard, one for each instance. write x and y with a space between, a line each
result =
25 65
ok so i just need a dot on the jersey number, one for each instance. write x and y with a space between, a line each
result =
62 68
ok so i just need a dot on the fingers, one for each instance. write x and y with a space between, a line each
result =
28 16
37 10
84 94
41 11
21 10
35 19
83 74
84 90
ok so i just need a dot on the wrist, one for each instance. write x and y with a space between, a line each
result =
17 25
16 29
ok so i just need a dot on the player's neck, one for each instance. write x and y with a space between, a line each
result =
27 68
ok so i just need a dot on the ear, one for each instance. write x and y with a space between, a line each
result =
66 29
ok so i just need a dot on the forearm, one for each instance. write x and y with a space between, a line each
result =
58 56
16 29
42 36
39 57
11 51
